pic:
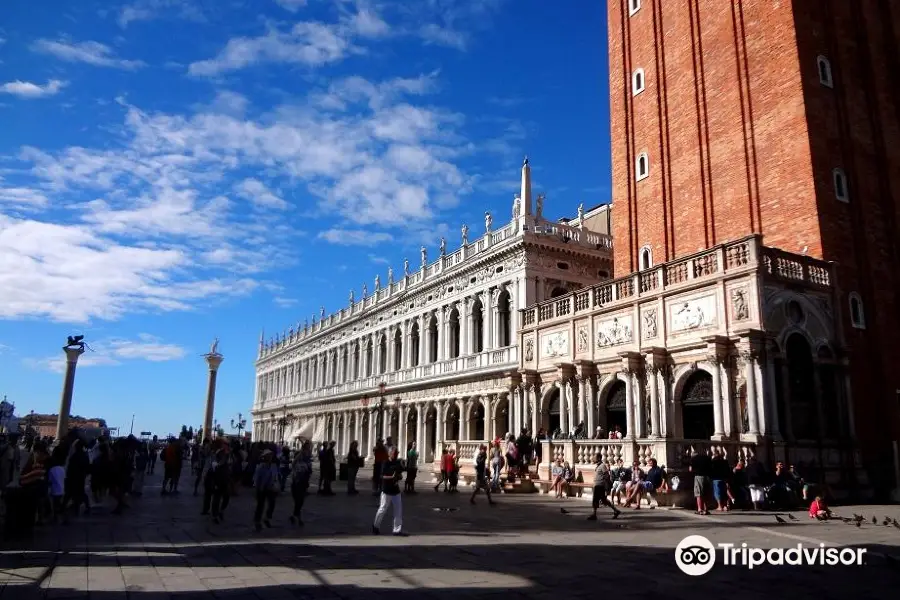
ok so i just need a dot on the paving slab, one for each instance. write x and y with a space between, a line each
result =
526 546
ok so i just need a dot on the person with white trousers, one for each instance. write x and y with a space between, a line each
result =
391 474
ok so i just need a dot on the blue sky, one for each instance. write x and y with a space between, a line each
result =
176 170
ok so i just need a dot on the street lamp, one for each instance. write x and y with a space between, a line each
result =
240 423
284 421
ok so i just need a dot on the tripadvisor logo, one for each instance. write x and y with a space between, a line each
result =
695 555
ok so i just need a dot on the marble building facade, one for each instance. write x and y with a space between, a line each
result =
736 348
433 354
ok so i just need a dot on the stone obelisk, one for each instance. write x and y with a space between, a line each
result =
73 351
213 360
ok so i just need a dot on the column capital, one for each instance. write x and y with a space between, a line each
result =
213 361
73 352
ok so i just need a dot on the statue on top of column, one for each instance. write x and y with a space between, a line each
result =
321 313
488 221
540 206
443 246
377 282
351 298
581 215
424 256
465 235
365 291
214 348
390 275
406 267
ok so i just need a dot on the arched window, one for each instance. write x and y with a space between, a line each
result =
824 67
382 355
398 350
857 314
477 326
697 414
633 7
646 258
558 291
414 345
454 333
356 370
642 166
334 367
841 192
344 364
433 339
504 310
637 82
369 361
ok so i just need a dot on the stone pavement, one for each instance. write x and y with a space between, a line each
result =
525 547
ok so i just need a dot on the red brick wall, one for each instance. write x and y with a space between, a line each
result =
743 138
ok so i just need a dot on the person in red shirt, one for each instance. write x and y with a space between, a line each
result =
819 510
447 466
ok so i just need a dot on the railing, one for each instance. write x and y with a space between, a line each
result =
722 259
501 357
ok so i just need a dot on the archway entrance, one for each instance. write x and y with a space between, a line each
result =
553 409
616 400
428 449
451 423
802 389
697 407
476 422
501 418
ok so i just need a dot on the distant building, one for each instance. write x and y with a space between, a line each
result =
45 425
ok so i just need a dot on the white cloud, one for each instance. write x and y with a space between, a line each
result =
310 44
443 36
379 260
147 10
257 192
291 5
159 222
114 351
26 89
284 302
90 52
21 197
355 237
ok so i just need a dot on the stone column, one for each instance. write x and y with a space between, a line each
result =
571 402
750 366
488 325
563 405
402 422
718 421
371 434
653 377
426 357
213 360
65 401
515 410
464 327
590 406
420 428
629 404
582 401
357 428
490 419
470 326
440 428
535 400
464 420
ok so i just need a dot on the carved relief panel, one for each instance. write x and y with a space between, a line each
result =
694 314
649 323
614 331
582 338
555 344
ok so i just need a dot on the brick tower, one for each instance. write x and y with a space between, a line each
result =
775 118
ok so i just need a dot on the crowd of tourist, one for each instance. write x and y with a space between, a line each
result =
54 483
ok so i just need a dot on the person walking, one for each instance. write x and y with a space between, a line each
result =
354 462
265 480
602 487
301 473
412 467
381 456
218 482
481 480
391 473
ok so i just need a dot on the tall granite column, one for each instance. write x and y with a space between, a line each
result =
65 402
213 359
